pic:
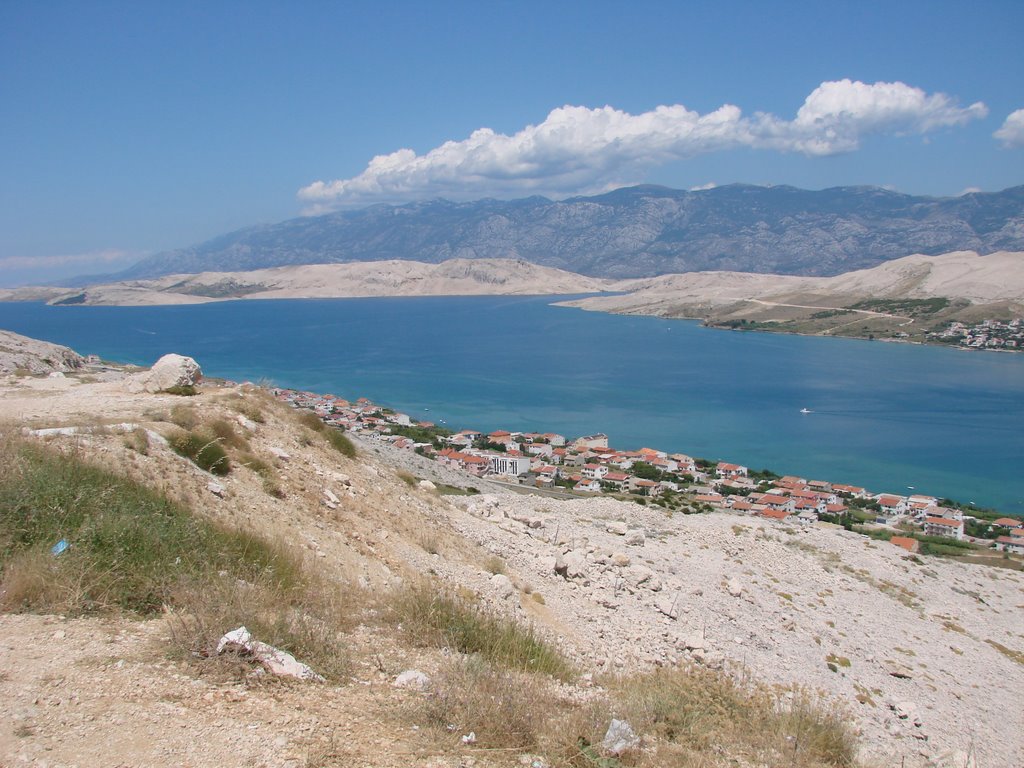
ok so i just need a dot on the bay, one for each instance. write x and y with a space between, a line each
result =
884 416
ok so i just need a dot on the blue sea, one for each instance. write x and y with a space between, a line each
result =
885 416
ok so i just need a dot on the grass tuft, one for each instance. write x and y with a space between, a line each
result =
204 450
430 615
339 441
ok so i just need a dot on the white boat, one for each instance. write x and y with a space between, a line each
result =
806 410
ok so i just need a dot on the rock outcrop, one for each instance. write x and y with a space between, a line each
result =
20 353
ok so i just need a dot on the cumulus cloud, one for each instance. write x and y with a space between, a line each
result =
1012 131
703 187
581 150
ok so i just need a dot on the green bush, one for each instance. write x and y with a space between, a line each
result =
204 450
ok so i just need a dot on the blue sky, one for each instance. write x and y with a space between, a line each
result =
130 128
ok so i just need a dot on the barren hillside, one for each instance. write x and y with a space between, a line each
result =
456 277
922 657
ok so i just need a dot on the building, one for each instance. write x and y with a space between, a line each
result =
942 526
502 464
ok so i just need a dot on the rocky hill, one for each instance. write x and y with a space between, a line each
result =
903 298
922 657
631 232
457 277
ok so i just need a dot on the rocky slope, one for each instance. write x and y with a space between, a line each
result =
924 654
632 232
22 354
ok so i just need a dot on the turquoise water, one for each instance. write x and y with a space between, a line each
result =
885 416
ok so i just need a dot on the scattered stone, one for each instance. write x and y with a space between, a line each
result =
695 641
897 669
469 738
217 489
734 587
246 423
620 560
617 527
668 604
279 453
635 538
503 585
426 485
619 737
331 497
412 678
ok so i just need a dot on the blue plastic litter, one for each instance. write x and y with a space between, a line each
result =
59 547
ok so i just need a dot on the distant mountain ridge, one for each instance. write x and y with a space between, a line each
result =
638 231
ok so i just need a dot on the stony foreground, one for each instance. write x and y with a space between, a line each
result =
923 653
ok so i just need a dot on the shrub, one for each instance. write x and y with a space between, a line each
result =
204 451
182 390
225 432
311 421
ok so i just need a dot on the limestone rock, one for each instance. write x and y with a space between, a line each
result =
169 371
619 737
412 678
668 604
635 538
274 660
616 527
734 587
503 585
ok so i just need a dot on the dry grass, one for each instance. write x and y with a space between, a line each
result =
137 440
309 621
185 416
431 615
694 716
505 709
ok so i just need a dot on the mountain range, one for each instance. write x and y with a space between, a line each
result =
640 231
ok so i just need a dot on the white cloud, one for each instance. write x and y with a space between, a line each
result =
969 191
1012 131
581 150
703 187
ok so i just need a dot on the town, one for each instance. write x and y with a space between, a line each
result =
588 466
989 334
